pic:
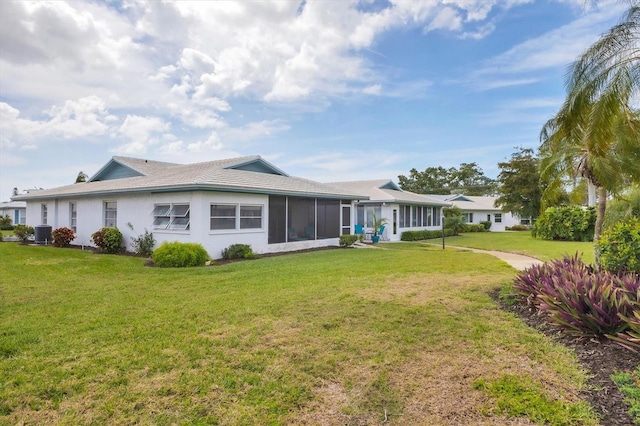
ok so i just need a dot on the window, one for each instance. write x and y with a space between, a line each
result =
498 217
171 216
364 214
73 215
250 217
225 216
468 217
110 214
43 215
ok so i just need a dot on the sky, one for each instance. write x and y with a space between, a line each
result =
327 90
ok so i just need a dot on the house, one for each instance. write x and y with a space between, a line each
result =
476 209
403 210
16 210
217 203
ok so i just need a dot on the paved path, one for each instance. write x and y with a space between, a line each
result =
518 261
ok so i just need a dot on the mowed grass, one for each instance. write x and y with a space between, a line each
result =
401 335
523 243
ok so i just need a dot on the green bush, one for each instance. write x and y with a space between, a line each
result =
569 223
180 255
486 224
6 223
239 251
518 228
619 247
109 240
425 234
348 240
474 227
24 232
62 237
143 244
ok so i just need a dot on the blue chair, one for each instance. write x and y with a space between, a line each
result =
359 230
381 233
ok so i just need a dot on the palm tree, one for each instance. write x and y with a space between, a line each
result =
596 133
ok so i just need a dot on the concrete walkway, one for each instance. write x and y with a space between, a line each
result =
517 261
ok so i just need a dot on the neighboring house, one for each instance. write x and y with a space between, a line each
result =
218 203
16 210
403 210
481 209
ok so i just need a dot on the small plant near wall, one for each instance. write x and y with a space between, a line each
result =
109 240
180 255
143 244
348 240
239 251
62 237
24 232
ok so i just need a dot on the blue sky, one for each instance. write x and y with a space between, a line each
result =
326 90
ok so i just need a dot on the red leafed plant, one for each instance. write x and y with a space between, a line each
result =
583 301
62 237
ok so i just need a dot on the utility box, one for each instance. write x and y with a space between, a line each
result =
42 234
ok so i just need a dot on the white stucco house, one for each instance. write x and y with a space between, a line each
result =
16 210
476 209
403 210
217 203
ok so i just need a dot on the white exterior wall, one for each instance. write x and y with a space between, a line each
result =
137 211
481 216
387 213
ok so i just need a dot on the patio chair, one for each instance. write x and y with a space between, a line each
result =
381 233
359 230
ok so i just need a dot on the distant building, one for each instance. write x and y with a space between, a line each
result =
480 209
16 210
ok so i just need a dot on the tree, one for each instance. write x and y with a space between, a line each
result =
519 191
434 180
82 177
596 133
469 180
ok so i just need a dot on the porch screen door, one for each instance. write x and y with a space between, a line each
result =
346 219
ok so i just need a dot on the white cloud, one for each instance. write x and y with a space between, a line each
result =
142 133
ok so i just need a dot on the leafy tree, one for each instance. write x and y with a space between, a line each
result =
453 219
596 133
434 180
519 178
469 179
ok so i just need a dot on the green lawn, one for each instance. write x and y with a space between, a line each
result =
406 333
522 242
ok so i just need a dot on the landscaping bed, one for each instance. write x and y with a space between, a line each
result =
601 358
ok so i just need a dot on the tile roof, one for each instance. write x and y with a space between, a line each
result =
209 176
378 192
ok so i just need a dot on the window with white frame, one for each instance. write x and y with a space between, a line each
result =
250 217
73 216
236 216
498 217
43 214
110 214
468 217
172 217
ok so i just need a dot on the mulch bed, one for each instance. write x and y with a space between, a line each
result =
601 358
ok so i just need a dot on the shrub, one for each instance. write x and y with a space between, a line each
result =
425 234
5 222
24 232
180 255
569 223
582 301
486 224
143 244
239 251
109 240
619 247
62 237
474 227
518 228
348 240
